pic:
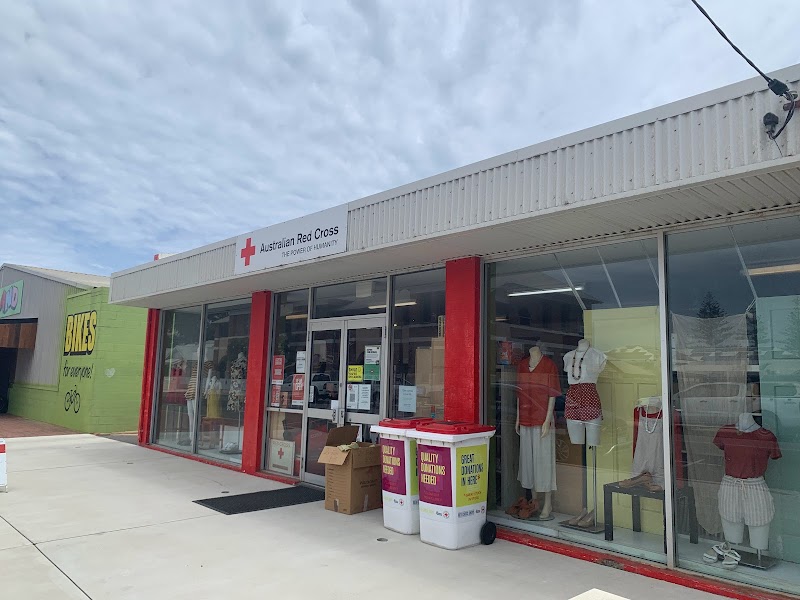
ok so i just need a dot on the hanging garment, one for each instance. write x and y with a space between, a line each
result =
648 453
236 394
213 409
678 467
711 363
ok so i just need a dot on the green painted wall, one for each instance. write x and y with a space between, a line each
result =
108 380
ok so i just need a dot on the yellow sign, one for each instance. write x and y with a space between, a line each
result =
471 476
355 373
81 333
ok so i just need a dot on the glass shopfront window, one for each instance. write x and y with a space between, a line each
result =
223 381
350 299
177 390
418 345
289 368
574 388
734 307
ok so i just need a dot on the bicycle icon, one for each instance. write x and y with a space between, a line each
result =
72 400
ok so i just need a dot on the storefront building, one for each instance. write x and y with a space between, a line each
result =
622 303
67 357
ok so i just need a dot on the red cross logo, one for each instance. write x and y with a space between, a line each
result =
248 252
280 453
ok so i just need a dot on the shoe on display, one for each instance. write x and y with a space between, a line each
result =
230 448
575 520
731 560
587 520
642 479
717 552
654 487
530 508
514 509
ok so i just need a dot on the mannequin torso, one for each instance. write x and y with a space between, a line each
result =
584 364
535 357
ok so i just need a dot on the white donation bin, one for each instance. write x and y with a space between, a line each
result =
399 480
453 465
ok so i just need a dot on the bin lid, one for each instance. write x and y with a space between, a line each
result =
411 423
453 428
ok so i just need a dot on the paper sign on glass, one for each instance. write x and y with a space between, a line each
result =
355 373
372 355
352 396
407 401
364 396
298 387
372 372
300 362
278 363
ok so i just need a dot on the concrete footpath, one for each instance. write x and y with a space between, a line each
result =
90 517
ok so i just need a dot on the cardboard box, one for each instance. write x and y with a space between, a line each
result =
353 477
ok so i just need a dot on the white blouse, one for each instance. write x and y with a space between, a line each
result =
584 366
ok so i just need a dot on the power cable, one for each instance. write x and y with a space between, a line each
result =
778 87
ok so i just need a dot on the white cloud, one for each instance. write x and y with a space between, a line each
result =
128 128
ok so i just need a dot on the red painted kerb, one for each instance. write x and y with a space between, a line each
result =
677 577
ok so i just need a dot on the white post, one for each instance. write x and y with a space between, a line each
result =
3 477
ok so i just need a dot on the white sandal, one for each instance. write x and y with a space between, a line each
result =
716 553
731 560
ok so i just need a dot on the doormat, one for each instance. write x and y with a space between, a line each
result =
243 503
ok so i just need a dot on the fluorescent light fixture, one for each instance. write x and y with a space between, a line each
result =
293 317
379 306
550 291
775 270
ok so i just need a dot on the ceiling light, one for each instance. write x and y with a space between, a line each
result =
303 316
380 306
550 291
774 270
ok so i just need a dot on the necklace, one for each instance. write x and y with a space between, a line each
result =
647 419
580 364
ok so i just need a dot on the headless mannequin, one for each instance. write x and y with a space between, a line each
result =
536 357
734 532
584 430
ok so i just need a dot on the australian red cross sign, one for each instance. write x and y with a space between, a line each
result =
307 238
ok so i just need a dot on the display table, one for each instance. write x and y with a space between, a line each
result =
637 493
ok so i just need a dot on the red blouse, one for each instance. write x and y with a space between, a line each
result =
535 390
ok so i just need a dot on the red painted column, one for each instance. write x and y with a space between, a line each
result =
462 340
256 391
148 374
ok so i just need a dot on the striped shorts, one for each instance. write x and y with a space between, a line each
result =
746 500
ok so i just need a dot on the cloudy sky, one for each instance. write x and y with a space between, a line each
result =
134 127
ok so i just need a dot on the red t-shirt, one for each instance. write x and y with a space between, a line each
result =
536 389
747 454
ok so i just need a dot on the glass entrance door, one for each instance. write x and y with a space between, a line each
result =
347 383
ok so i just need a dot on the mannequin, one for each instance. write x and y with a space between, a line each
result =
583 411
744 498
191 397
538 383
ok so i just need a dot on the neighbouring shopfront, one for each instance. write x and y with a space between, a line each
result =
67 356
621 304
